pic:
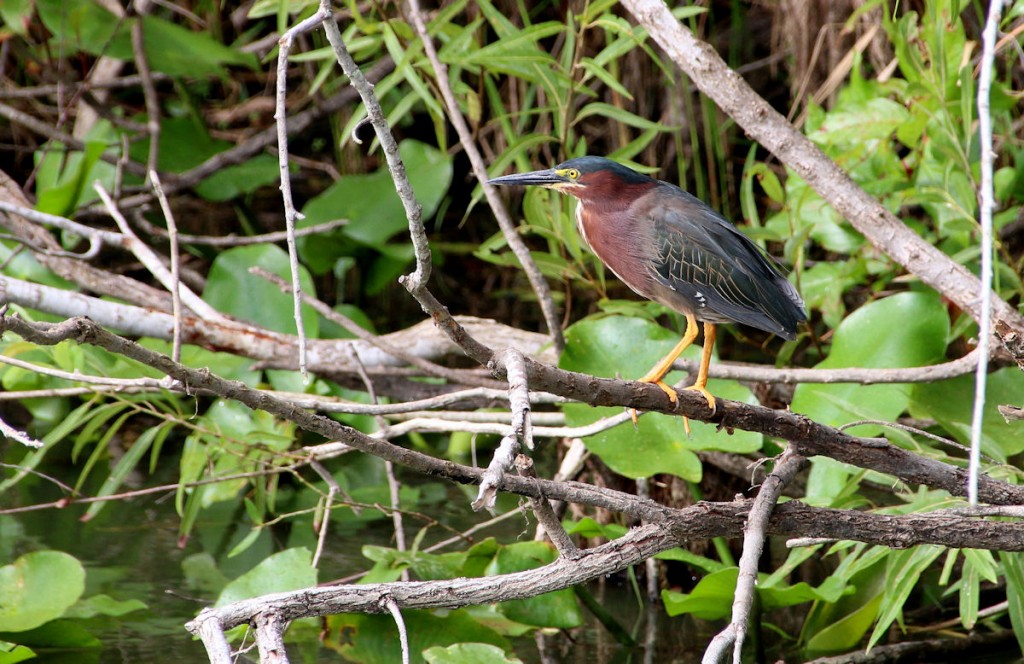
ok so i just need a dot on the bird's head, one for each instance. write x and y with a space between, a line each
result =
583 177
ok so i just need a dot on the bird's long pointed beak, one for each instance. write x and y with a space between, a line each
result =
545 178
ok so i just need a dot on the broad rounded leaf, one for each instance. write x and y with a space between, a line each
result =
231 289
950 403
372 207
468 653
627 347
905 330
288 570
37 588
373 639
554 609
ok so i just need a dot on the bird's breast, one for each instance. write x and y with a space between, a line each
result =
615 237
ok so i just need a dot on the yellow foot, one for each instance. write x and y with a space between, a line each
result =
665 387
707 395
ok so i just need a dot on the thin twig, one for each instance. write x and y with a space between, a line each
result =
454 375
403 635
508 228
10 432
148 88
291 215
69 142
172 234
130 241
415 283
548 522
754 535
394 488
986 206
242 240
333 489
860 375
115 383
916 432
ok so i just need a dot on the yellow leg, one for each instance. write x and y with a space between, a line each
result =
705 361
659 370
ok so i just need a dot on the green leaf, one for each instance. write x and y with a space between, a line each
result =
902 573
845 633
713 595
66 634
628 347
126 465
37 588
606 77
82 25
202 574
590 528
619 115
372 206
264 8
905 330
807 212
518 54
554 609
230 288
468 653
17 15
372 639
700 562
1013 570
233 181
711 598
177 51
12 654
950 403
103 605
290 569
970 591
184 144
62 195
856 124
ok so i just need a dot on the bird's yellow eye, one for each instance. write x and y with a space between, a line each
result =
572 173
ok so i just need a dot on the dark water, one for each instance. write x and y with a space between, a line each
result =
131 551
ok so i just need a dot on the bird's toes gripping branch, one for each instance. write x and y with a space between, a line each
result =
673 396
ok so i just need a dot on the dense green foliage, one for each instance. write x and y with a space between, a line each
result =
537 84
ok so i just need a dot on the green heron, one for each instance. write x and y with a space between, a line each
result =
672 248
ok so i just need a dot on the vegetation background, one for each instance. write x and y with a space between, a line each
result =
144 503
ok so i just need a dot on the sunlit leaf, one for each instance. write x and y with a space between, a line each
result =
290 569
38 587
619 346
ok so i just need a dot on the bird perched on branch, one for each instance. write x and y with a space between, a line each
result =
672 248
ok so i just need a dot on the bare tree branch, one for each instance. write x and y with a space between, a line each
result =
754 535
